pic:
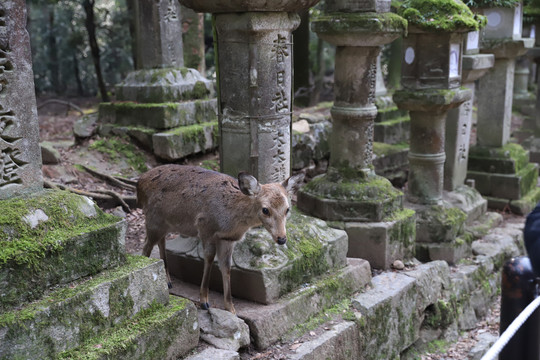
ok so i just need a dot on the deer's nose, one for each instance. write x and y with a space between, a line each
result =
281 240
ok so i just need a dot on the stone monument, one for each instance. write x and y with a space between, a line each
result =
431 79
65 280
501 169
367 205
458 134
166 107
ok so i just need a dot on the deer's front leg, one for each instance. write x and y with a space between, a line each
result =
224 252
209 248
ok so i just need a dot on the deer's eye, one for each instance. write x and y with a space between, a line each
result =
288 211
266 211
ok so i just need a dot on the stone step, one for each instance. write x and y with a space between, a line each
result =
159 116
391 161
392 131
508 159
506 186
269 323
263 271
159 332
186 140
215 354
389 111
51 238
521 206
69 316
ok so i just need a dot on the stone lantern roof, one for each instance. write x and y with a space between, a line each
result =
440 15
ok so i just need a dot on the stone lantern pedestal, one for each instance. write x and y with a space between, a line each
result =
458 135
501 170
168 108
366 205
431 79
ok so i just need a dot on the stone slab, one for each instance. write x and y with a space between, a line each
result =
452 252
506 186
522 206
162 332
159 116
180 142
392 131
381 243
339 342
52 238
391 162
20 154
468 200
71 315
263 271
215 354
502 160
268 323
437 223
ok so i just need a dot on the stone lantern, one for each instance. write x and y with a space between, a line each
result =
367 205
458 133
501 170
431 79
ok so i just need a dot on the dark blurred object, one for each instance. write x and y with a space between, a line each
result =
531 235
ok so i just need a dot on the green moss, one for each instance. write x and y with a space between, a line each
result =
21 244
441 15
492 3
440 315
384 149
200 91
360 23
117 148
212 164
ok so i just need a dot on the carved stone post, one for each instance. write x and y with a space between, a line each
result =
379 229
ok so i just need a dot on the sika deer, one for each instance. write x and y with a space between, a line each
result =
215 207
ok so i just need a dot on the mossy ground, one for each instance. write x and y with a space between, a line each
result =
117 148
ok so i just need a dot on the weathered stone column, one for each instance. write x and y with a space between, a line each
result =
458 134
20 155
431 79
379 229
501 170
164 106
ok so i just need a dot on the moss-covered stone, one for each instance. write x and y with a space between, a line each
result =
117 148
441 15
356 22
492 3
439 223
508 159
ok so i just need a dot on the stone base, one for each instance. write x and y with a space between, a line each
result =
533 145
262 270
362 197
438 231
391 162
468 200
522 206
186 140
381 243
269 323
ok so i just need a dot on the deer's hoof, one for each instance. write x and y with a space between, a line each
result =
169 284
205 306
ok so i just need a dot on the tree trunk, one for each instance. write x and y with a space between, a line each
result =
131 8
319 74
77 74
394 64
302 85
53 53
90 25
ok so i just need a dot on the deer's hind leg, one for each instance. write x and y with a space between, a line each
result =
154 237
209 247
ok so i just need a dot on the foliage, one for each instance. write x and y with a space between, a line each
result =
62 61
440 15
492 3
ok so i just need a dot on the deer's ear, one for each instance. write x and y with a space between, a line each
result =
248 184
293 183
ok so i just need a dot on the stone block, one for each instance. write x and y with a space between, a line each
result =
431 279
468 200
311 146
186 140
449 252
49 154
438 223
358 6
392 131
339 342
223 329
262 271
159 332
71 315
391 161
159 115
337 197
52 238
143 136
509 159
381 243
387 316
215 354
85 126
506 186
164 85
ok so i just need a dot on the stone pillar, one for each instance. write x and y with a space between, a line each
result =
20 155
458 134
255 94
431 80
501 170
379 229
167 108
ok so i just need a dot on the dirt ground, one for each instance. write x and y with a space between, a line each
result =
56 124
